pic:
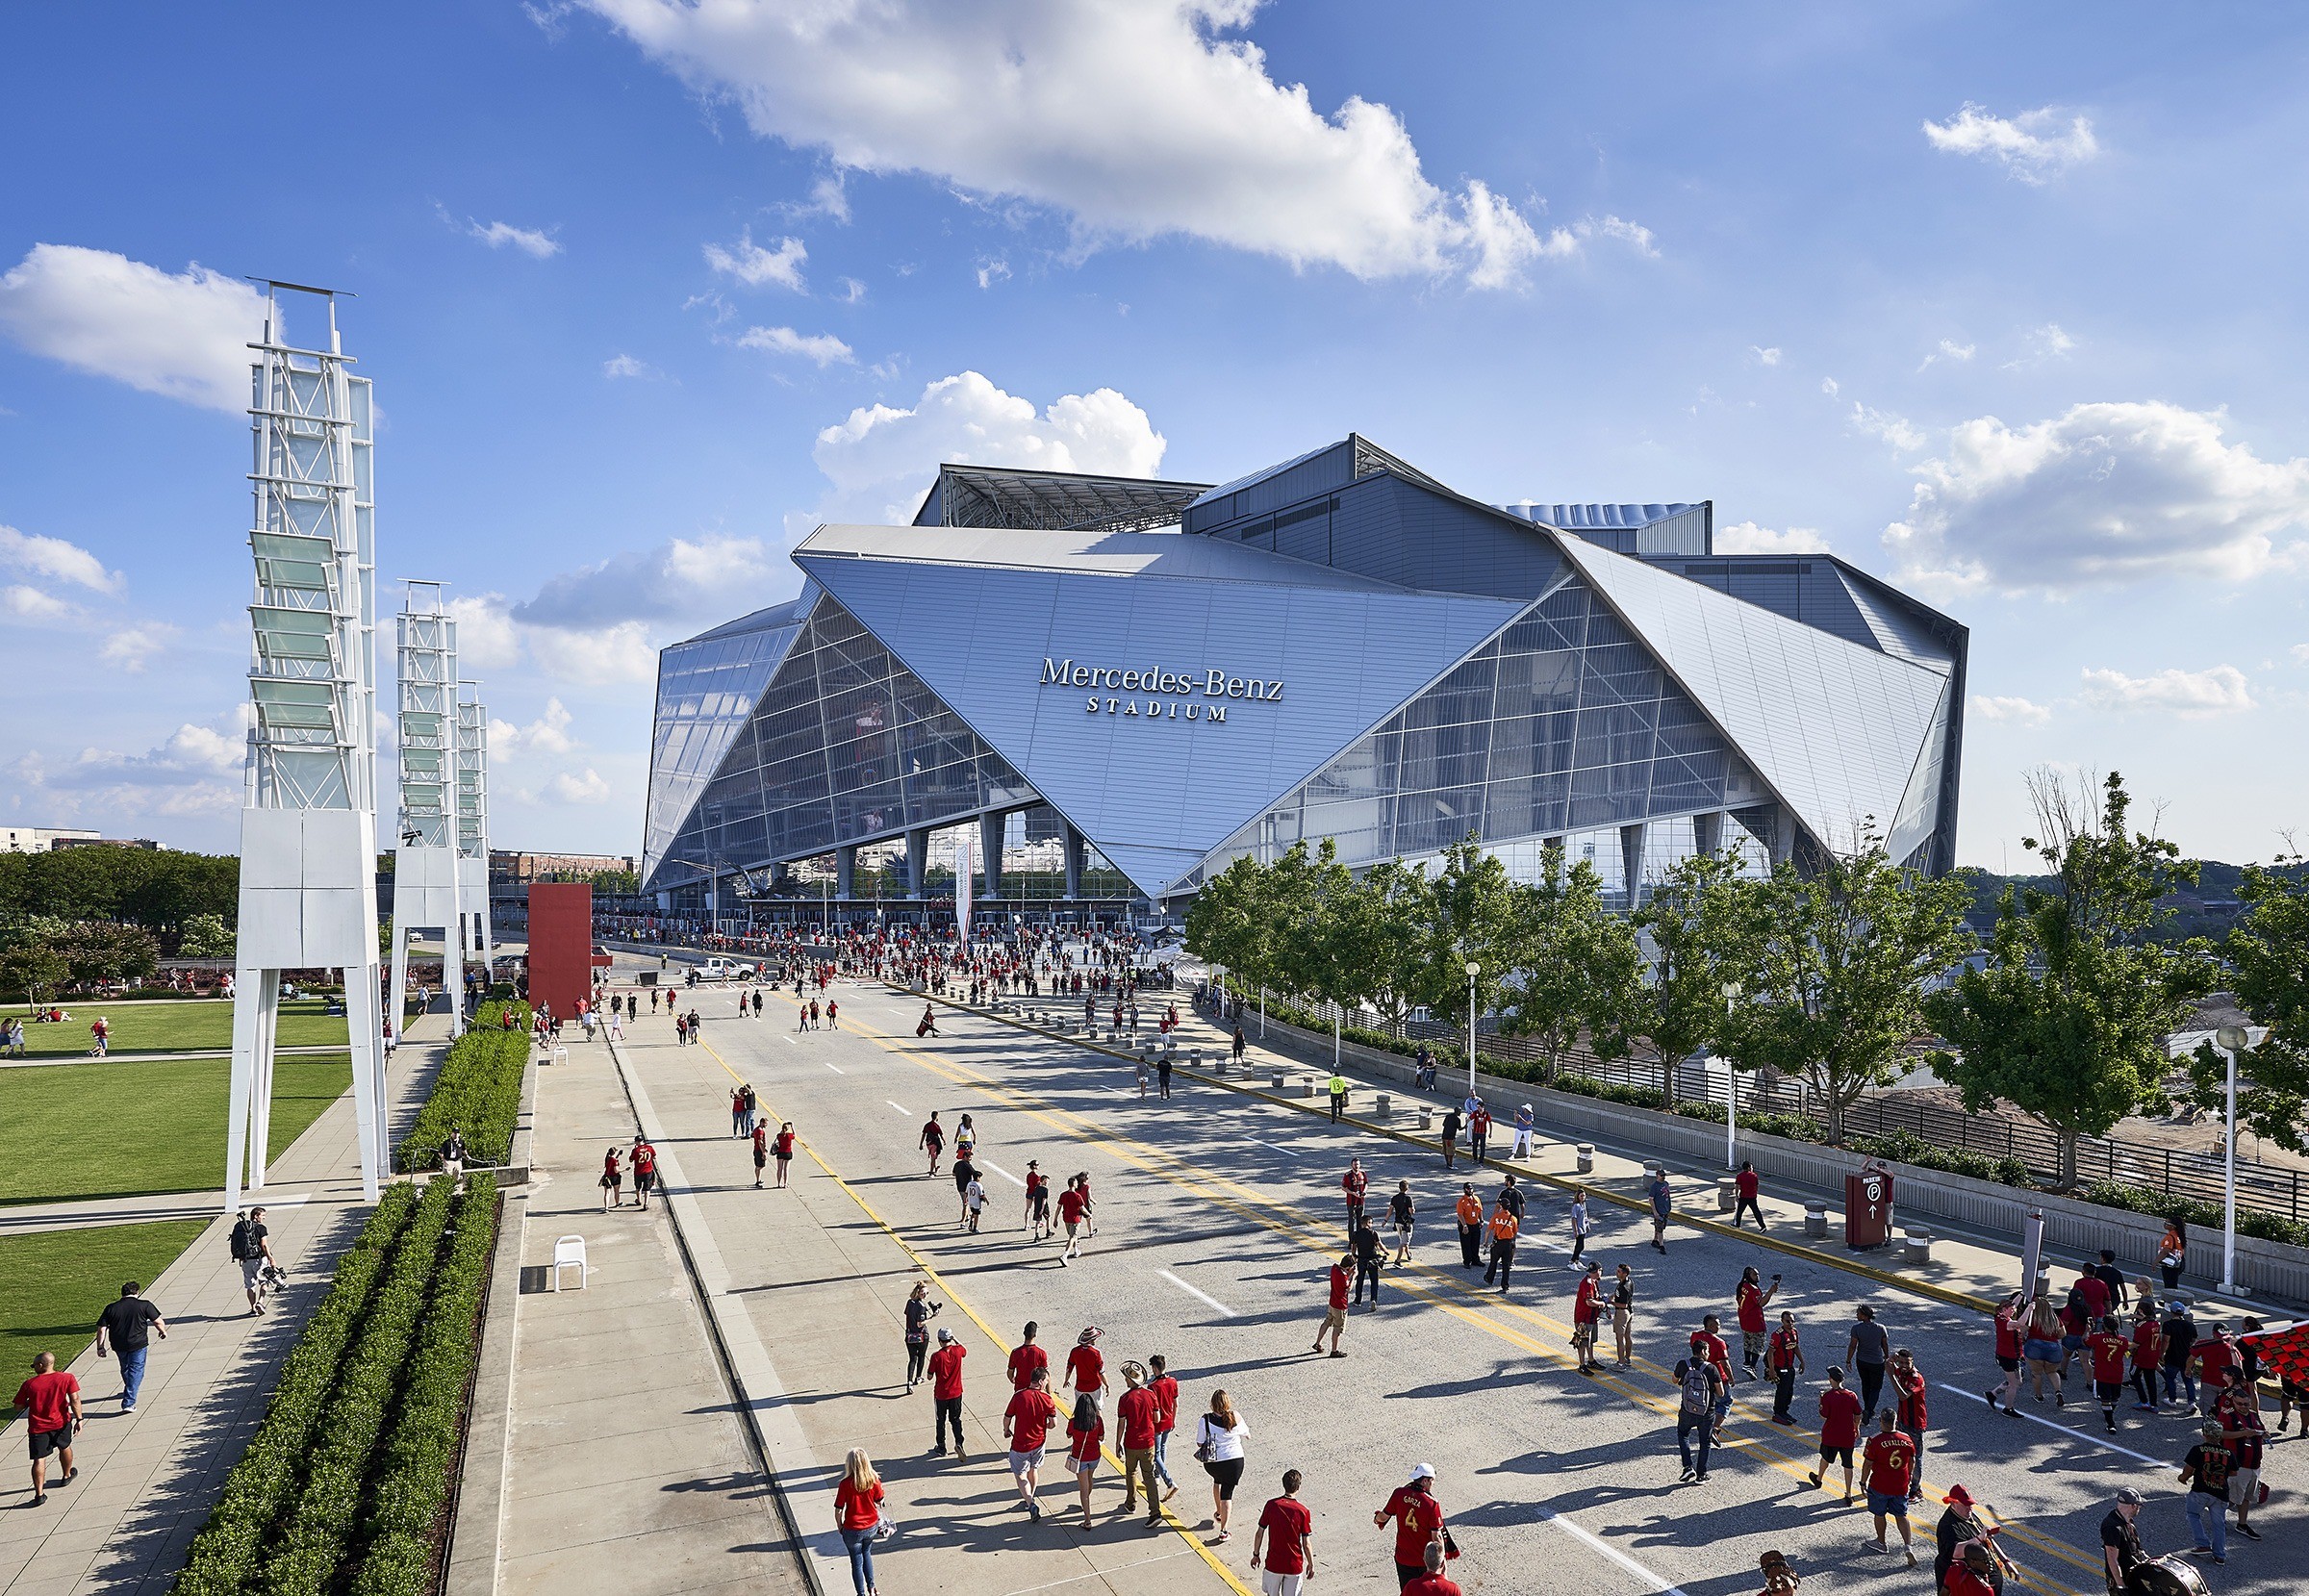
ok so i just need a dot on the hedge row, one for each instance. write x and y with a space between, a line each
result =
1902 1147
316 1540
229 1554
478 1092
411 1480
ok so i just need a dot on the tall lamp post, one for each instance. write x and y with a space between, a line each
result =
1731 1089
2232 1040
1473 970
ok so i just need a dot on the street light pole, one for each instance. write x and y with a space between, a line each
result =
2232 1041
1473 970
1731 1088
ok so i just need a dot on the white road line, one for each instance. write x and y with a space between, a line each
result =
840 1071
789 1041
998 1170
1610 1552
1192 1292
1288 1151
900 1107
2066 1429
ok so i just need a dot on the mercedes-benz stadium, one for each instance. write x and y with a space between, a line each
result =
1112 686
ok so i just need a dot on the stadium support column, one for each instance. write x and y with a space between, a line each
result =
990 851
918 863
1631 863
309 809
1074 865
845 871
1707 831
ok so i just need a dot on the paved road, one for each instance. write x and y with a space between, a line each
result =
1219 1215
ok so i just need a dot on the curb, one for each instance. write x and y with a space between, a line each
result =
1944 1295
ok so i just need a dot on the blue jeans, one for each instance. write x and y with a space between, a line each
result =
132 1374
2201 1509
1162 1462
860 1543
1685 1425
2176 1380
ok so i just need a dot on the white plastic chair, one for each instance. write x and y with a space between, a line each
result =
570 1251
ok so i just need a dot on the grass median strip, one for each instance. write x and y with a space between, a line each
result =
197 1025
478 1092
53 1283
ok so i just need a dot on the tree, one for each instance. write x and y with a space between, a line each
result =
2067 1020
102 953
205 937
1837 966
35 969
1388 914
1229 924
1579 966
2268 963
1471 918
1692 919
1319 951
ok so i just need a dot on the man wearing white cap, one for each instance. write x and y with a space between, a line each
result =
1418 1523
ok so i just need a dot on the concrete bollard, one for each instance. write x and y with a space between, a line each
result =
1306 1087
1426 1119
1917 1245
1586 1157
1383 1104
1816 1220
1726 1194
1280 1080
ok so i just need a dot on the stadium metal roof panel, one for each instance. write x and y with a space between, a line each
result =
1084 555
1001 496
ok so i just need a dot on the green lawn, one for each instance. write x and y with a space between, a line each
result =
80 1130
53 1283
175 1027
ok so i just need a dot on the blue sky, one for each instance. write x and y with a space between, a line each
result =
2000 302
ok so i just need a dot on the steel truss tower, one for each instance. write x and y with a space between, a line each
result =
309 815
425 872
472 820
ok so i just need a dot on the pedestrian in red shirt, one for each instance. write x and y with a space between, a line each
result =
1972 1574
945 1392
1909 1409
1430 1581
1166 1420
932 1140
1355 1183
1888 1468
1038 1200
1839 1429
1290 1556
1707 1345
645 1171
1418 1523
761 1152
50 1402
1585 1308
1086 1365
782 1149
1027 1425
613 1180
1334 1317
1137 1412
1071 1205
1028 1358
2008 1349
1784 1357
1749 1186
1479 1131
1749 1298
1084 1432
2111 1354
858 1515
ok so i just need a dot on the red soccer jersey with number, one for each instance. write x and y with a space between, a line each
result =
1890 1456
2111 1352
1751 1309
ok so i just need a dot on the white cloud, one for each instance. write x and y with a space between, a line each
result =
828 197
2013 712
33 604
1952 351
609 656
2043 343
183 335
2218 690
547 734
1828 385
57 560
991 272
881 460
197 771
1747 538
2033 146
132 648
852 291
2103 494
678 579
2300 653
823 349
753 265
1893 429
487 637
497 235
626 366
1136 120
588 788
1763 356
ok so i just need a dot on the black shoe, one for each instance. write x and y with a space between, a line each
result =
2249 1532
1688 1472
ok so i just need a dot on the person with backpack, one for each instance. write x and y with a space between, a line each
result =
252 1252
1700 1387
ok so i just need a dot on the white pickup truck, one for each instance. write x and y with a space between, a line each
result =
719 968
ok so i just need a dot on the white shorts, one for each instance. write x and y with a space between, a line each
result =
1284 1584
2245 1487
251 1267
1022 1461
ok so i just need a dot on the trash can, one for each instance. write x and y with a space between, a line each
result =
1816 1219
1727 1193
1586 1151
1868 1207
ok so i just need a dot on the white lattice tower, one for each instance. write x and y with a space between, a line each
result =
472 820
426 894
309 815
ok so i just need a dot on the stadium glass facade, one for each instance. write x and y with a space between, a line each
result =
1121 685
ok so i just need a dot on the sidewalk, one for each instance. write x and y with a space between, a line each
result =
623 1451
97 1213
812 1274
147 1480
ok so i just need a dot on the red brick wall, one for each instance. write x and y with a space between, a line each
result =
560 945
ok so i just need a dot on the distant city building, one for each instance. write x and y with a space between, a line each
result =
1118 686
509 865
48 839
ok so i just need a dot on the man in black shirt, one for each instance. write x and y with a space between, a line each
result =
2120 1540
1366 1260
1511 1197
2108 1275
129 1324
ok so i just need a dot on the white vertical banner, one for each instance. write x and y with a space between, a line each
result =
962 875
